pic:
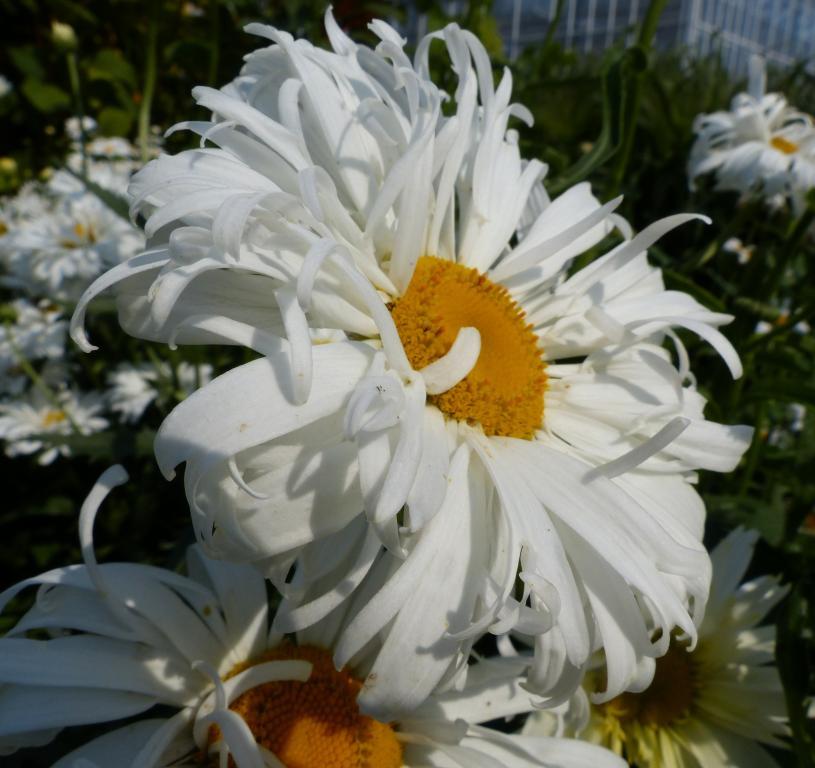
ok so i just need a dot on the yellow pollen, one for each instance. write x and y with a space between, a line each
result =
504 390
668 698
784 145
53 417
317 723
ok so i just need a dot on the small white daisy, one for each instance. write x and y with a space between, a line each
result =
124 638
6 86
761 146
57 255
133 387
711 707
72 130
440 362
38 332
24 421
131 390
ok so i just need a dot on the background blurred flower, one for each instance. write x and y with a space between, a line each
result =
26 420
761 146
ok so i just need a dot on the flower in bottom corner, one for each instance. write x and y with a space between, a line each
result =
124 638
710 708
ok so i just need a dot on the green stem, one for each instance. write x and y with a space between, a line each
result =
214 41
149 81
37 381
550 33
755 451
644 40
76 90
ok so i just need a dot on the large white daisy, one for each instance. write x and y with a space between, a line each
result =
760 146
709 708
439 363
123 638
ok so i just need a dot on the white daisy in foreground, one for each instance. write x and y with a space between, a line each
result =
707 708
439 362
24 422
125 638
761 146
57 255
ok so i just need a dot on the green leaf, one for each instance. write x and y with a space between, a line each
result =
27 60
784 390
45 97
618 117
109 64
115 122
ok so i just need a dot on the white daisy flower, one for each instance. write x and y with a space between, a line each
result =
451 367
72 127
38 332
189 377
29 203
110 161
24 421
133 387
124 638
761 146
58 255
132 390
710 707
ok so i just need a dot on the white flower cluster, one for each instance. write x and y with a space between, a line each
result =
448 437
56 237
761 146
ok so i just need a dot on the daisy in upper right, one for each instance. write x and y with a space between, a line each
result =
762 146
432 379
707 708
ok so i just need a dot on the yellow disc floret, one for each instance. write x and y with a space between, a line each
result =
635 725
668 698
316 723
504 391
784 145
53 417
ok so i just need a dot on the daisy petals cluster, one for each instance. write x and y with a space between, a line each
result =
761 146
340 204
125 637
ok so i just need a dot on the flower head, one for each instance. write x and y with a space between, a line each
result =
126 637
761 146
492 415
24 422
58 253
38 332
710 707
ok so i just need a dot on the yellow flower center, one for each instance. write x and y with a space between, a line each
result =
316 723
504 390
83 234
53 417
668 698
784 145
